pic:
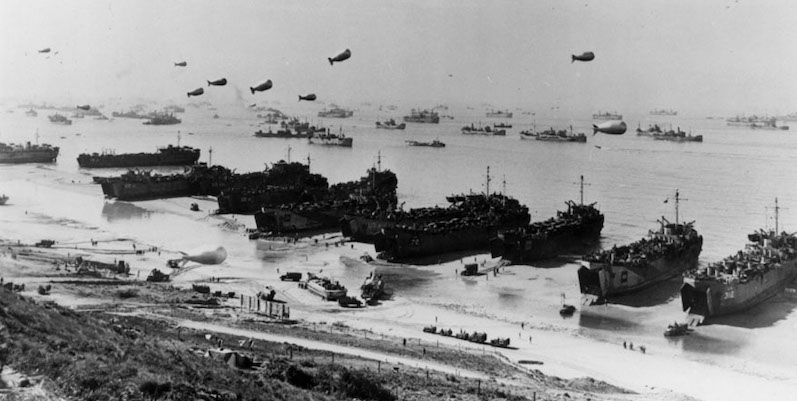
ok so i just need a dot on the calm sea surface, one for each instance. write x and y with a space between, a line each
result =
728 184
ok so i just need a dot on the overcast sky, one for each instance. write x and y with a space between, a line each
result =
694 56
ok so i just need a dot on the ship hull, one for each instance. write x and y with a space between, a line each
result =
711 298
137 160
520 249
134 191
250 202
42 156
399 244
364 229
599 280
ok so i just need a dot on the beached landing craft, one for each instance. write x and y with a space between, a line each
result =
668 252
742 280
168 156
580 225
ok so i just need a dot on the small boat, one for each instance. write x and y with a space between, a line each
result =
433 144
390 124
677 329
567 310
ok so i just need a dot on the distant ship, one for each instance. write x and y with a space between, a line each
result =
168 156
282 133
3 199
132 114
748 121
662 112
422 116
502 125
485 130
336 112
607 116
666 253
300 127
31 113
59 119
569 231
788 117
434 144
742 280
13 154
770 126
390 124
329 139
656 132
499 114
552 135
174 109
163 119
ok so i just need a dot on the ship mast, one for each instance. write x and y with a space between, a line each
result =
677 200
487 184
289 154
308 162
210 157
503 183
178 138
777 209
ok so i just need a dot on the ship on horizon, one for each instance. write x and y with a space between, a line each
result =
742 280
422 116
336 112
607 116
499 114
663 112
666 253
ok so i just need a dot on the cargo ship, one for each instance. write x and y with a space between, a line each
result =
569 231
740 281
422 116
390 124
499 114
472 220
552 135
607 116
330 139
12 153
486 130
163 119
168 156
676 135
59 119
335 112
666 253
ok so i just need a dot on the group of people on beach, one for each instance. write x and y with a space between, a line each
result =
630 345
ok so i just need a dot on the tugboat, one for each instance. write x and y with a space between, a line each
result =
569 230
466 225
329 139
422 116
742 280
668 252
390 124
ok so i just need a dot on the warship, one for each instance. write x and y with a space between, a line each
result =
740 281
422 116
467 224
163 119
568 231
13 154
168 156
676 135
666 253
